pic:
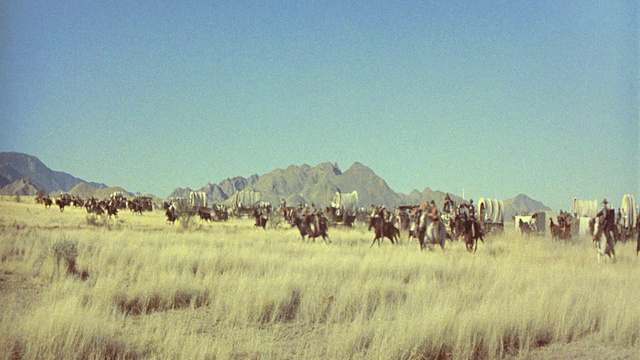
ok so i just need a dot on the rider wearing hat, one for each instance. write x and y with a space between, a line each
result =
606 224
472 210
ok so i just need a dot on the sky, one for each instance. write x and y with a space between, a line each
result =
493 98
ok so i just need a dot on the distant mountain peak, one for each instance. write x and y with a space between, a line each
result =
15 166
24 186
329 168
522 204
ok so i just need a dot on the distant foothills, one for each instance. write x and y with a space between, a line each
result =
23 174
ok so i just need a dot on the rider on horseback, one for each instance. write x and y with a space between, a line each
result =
433 212
448 204
472 210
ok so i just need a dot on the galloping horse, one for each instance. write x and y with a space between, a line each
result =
472 232
261 218
431 232
384 229
308 228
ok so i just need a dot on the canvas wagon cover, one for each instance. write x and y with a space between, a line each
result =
348 202
246 198
629 211
493 210
587 208
198 198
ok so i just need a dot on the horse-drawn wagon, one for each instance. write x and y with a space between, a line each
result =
491 215
343 208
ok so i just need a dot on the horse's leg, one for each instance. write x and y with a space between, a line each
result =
468 241
391 239
423 239
373 242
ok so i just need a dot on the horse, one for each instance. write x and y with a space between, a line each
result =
171 215
112 209
413 230
605 245
431 232
525 228
471 233
311 226
62 203
205 213
555 230
47 202
384 229
261 218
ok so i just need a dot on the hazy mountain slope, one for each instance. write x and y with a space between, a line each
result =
22 187
15 166
522 205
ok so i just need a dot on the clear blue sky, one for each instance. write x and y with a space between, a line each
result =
497 98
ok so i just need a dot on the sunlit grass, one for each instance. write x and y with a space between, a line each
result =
229 290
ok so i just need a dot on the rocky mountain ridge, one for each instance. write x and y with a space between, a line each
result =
16 166
302 184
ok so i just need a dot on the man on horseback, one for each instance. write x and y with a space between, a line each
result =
372 216
606 224
448 204
472 210
433 212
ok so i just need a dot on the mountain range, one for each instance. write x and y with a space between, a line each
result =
17 166
25 174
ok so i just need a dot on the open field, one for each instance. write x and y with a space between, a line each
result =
136 287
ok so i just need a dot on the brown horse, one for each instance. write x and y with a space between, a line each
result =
471 233
555 230
47 202
261 218
171 215
384 229
310 226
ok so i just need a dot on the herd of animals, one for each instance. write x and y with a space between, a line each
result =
108 207
424 222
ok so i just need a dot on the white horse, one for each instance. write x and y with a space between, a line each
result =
431 232
604 243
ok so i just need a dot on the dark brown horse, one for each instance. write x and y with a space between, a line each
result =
47 201
384 229
261 218
310 226
171 215
205 213
471 233
63 201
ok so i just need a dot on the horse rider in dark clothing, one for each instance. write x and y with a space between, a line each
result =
472 210
606 224
448 204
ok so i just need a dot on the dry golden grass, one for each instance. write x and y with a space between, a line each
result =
144 289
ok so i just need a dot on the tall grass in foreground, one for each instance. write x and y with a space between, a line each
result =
232 291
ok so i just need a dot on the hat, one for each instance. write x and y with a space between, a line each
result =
433 202
471 201
604 201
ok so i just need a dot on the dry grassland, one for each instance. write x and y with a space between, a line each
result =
136 287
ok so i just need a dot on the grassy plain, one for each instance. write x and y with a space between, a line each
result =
140 288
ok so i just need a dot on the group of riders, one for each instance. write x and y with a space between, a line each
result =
459 220
407 217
